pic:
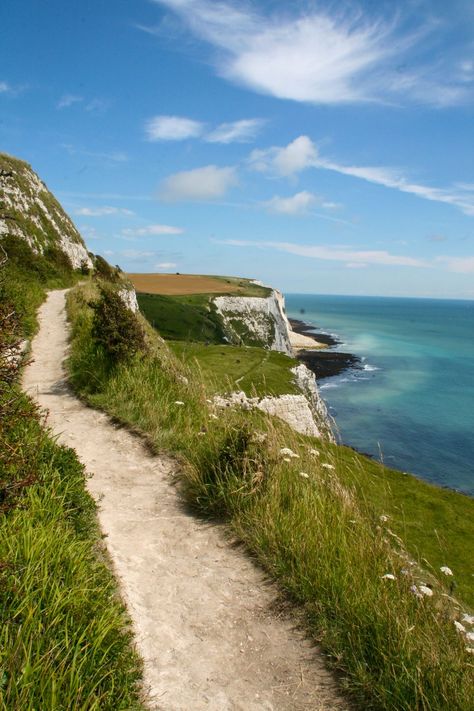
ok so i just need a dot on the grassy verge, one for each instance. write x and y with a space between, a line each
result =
340 533
65 641
228 368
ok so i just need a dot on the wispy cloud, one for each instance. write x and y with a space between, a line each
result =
181 128
302 154
326 55
166 265
460 265
108 156
301 204
243 131
207 183
68 100
102 211
153 230
297 204
335 254
4 87
172 128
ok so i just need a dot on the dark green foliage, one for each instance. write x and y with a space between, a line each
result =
25 276
183 318
103 270
115 328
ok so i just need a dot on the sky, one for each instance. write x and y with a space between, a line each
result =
320 147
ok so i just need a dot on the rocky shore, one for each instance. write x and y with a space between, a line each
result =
323 363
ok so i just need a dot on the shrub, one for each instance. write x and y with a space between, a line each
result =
115 328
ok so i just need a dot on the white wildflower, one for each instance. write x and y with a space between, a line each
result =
415 591
209 401
470 636
470 650
304 475
260 436
447 571
201 434
178 402
459 627
404 571
388 576
328 466
315 452
468 619
286 459
287 452
425 590
212 416
383 518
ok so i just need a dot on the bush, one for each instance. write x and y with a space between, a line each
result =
103 270
115 328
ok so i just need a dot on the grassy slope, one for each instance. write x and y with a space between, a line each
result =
64 637
319 534
229 368
186 318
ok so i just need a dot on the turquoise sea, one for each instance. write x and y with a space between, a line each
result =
411 400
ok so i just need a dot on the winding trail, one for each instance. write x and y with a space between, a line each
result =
202 612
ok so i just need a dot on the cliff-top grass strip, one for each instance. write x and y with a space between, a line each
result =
304 508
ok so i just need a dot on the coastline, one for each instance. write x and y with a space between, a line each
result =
320 359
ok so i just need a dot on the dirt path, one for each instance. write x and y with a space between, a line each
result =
201 610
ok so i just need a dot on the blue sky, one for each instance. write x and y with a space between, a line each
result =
321 147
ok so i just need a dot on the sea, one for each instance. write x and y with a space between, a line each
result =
410 400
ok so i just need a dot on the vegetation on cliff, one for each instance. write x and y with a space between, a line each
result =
360 548
65 640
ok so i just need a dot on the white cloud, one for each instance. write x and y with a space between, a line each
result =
153 230
460 265
302 153
68 100
166 265
297 204
328 56
337 254
97 106
101 211
172 128
293 158
243 131
207 183
4 87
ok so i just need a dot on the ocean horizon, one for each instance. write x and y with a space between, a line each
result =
409 400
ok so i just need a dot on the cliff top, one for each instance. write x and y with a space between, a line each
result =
186 284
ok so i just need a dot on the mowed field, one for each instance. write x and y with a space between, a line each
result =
182 284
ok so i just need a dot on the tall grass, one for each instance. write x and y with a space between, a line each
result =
65 640
386 624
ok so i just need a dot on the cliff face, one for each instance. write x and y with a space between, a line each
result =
263 322
256 321
30 212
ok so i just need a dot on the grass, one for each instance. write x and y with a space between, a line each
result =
65 640
225 368
186 318
328 524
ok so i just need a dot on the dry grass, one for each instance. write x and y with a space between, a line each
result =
182 284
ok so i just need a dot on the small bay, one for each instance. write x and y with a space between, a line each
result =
410 400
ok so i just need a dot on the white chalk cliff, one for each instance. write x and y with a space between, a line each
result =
263 321
29 211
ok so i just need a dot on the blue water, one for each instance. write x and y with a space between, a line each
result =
411 402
